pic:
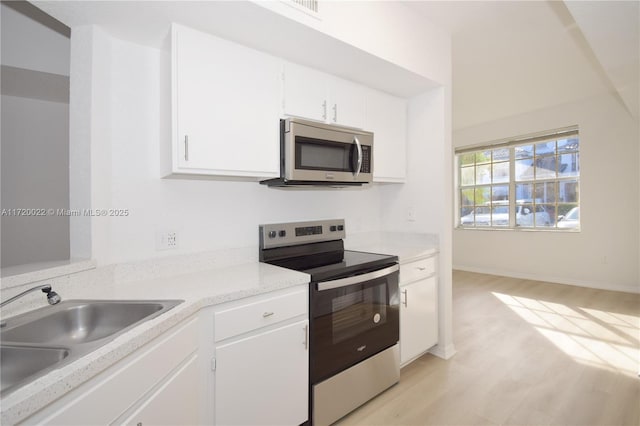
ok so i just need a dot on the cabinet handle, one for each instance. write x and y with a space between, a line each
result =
335 113
306 337
421 268
139 424
324 110
406 298
186 147
267 314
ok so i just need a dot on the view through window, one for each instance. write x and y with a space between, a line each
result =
526 183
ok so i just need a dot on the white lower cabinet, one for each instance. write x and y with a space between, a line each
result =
173 403
156 384
263 379
261 372
418 309
244 362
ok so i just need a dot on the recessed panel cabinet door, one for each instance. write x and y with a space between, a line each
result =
418 318
387 119
305 92
347 103
175 402
225 100
263 379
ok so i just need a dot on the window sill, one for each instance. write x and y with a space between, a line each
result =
545 230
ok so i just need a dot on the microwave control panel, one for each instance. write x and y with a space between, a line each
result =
366 159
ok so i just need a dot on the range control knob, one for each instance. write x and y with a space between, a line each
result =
272 234
332 228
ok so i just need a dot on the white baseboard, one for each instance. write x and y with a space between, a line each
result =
443 352
549 279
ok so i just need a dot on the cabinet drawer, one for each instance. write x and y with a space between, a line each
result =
251 316
422 268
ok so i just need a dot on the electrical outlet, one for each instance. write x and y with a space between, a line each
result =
172 240
411 214
166 240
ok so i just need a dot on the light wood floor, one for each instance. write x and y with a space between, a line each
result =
528 353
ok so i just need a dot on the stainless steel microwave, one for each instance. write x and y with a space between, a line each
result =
322 154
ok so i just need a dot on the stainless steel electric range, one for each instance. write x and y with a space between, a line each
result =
354 311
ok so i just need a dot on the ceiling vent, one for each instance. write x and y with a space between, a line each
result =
308 5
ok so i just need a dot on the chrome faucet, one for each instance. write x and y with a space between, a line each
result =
52 297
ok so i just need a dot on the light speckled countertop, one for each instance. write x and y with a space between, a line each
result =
407 246
197 289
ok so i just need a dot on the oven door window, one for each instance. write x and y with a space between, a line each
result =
316 154
356 312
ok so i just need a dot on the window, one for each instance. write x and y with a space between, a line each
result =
526 183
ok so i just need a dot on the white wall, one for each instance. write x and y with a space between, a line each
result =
29 44
35 134
386 29
35 175
393 32
605 253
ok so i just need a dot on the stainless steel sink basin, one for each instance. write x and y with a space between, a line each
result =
74 322
38 341
19 362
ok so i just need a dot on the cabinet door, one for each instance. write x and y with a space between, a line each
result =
176 402
305 92
263 379
347 103
225 107
418 318
387 119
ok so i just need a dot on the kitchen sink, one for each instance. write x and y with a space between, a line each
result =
20 362
78 321
38 341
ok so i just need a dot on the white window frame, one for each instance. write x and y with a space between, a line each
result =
512 203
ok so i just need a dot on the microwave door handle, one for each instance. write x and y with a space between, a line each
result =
356 279
359 163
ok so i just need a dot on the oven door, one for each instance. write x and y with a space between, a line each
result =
352 319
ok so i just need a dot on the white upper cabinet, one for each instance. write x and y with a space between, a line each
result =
225 108
227 101
347 103
312 94
386 117
305 92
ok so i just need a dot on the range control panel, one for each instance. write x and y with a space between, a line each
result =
294 233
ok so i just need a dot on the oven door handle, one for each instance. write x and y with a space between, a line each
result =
356 279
